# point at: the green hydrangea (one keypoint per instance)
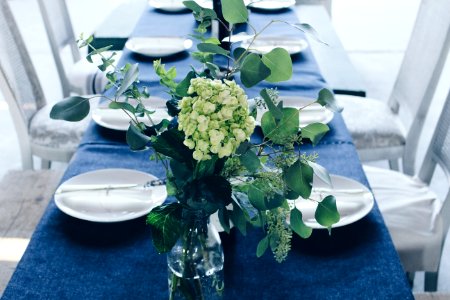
(215, 118)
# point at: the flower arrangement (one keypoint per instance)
(211, 164)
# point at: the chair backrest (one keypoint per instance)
(420, 71)
(438, 153)
(61, 36)
(18, 79)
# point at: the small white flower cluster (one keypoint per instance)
(215, 118)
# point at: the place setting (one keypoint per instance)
(117, 119)
(176, 6)
(110, 195)
(158, 46)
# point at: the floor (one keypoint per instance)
(374, 32)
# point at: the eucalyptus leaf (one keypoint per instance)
(326, 212)
(262, 246)
(299, 178)
(166, 226)
(261, 201)
(234, 11)
(122, 105)
(237, 216)
(238, 52)
(192, 5)
(253, 70)
(286, 128)
(256, 197)
(326, 98)
(315, 132)
(212, 48)
(136, 139)
(250, 161)
(321, 172)
(129, 78)
(71, 109)
(297, 224)
(280, 64)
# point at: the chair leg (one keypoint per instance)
(431, 281)
(410, 276)
(393, 164)
(45, 164)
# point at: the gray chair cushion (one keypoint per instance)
(371, 123)
(412, 214)
(56, 134)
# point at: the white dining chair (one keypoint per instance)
(76, 73)
(417, 219)
(37, 134)
(390, 131)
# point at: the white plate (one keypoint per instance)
(175, 6)
(314, 113)
(263, 45)
(158, 46)
(353, 201)
(117, 119)
(114, 205)
(271, 4)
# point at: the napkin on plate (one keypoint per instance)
(107, 201)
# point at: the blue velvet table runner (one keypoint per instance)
(69, 258)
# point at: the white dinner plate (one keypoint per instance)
(175, 6)
(353, 201)
(265, 44)
(161, 46)
(314, 113)
(271, 4)
(117, 119)
(113, 205)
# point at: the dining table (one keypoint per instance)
(70, 258)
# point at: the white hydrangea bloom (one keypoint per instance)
(214, 118)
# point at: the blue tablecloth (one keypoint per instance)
(69, 258)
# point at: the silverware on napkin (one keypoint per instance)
(108, 187)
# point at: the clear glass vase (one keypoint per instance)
(195, 263)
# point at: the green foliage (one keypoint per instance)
(297, 224)
(170, 143)
(166, 226)
(281, 131)
(280, 64)
(71, 109)
(212, 48)
(299, 178)
(136, 139)
(326, 212)
(326, 98)
(315, 132)
(255, 178)
(234, 11)
(253, 70)
(262, 246)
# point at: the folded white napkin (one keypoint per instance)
(114, 201)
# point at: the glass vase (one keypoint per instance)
(195, 263)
